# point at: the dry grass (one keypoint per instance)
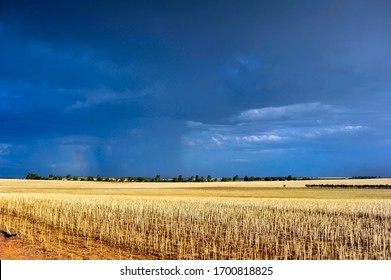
(177, 226)
(292, 189)
(198, 221)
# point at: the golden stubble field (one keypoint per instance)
(232, 220)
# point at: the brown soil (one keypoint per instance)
(16, 248)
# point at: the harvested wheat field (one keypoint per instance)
(233, 220)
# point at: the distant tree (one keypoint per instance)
(68, 177)
(289, 178)
(235, 178)
(202, 179)
(246, 178)
(192, 179)
(33, 176)
(209, 178)
(75, 178)
(197, 178)
(90, 178)
(50, 176)
(157, 178)
(180, 178)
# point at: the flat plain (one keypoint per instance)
(216, 220)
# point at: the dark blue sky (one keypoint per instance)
(139, 88)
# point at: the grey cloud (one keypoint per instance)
(104, 96)
(285, 112)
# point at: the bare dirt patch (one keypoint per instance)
(16, 248)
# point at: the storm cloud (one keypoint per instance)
(139, 88)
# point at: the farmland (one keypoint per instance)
(221, 220)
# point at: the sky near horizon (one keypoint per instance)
(139, 88)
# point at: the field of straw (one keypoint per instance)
(270, 223)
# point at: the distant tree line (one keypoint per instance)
(342, 186)
(197, 178)
(364, 177)
(158, 178)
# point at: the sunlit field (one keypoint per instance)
(233, 220)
